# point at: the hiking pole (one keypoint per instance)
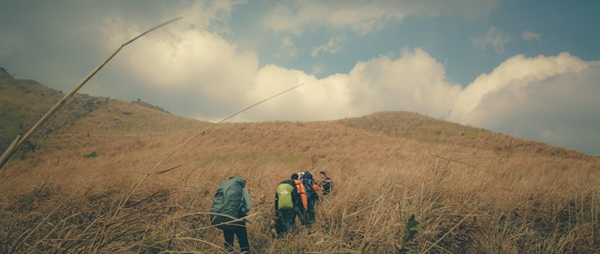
(20, 140)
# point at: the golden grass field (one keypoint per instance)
(93, 186)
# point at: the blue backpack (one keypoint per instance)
(307, 180)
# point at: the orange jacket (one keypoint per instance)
(302, 192)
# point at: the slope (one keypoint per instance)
(23, 102)
(427, 129)
(130, 196)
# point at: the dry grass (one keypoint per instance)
(467, 199)
(428, 129)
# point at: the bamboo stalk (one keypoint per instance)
(19, 141)
(9, 151)
(6, 155)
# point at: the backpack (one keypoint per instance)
(302, 191)
(306, 188)
(307, 180)
(227, 203)
(284, 195)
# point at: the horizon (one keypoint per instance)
(528, 70)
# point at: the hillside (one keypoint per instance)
(427, 129)
(121, 178)
(23, 102)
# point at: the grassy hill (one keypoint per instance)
(129, 177)
(427, 129)
(23, 102)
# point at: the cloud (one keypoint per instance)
(318, 69)
(493, 38)
(287, 48)
(188, 68)
(333, 46)
(204, 14)
(317, 99)
(530, 36)
(414, 82)
(550, 99)
(192, 63)
(361, 17)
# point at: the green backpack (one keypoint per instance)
(227, 203)
(284, 194)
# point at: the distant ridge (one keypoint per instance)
(422, 128)
(4, 73)
(24, 101)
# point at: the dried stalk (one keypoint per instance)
(6, 155)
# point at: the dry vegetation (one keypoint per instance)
(72, 193)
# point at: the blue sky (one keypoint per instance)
(570, 26)
(524, 68)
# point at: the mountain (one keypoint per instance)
(113, 176)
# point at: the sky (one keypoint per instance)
(529, 69)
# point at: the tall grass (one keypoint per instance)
(466, 200)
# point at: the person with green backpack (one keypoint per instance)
(288, 205)
(230, 207)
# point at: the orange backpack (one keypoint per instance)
(302, 192)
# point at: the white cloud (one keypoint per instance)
(414, 82)
(362, 16)
(550, 99)
(493, 38)
(318, 69)
(530, 36)
(333, 46)
(198, 61)
(515, 73)
(317, 99)
(203, 14)
(287, 48)
(195, 67)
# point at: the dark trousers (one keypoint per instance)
(310, 213)
(242, 236)
(286, 220)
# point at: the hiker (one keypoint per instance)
(288, 205)
(303, 197)
(326, 183)
(307, 178)
(312, 196)
(230, 205)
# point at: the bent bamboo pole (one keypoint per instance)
(19, 141)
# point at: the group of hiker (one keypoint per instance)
(295, 197)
